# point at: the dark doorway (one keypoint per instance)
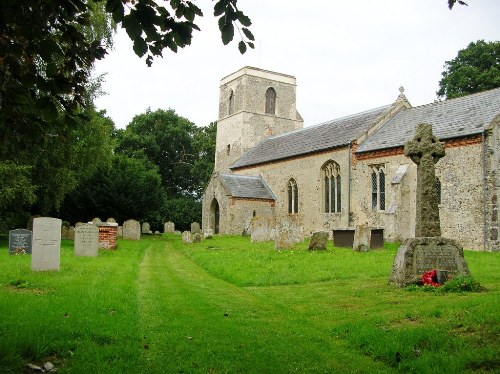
(216, 215)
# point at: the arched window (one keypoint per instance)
(293, 197)
(231, 102)
(332, 187)
(270, 101)
(378, 187)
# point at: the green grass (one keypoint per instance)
(230, 306)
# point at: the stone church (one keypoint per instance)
(351, 172)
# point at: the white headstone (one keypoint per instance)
(87, 240)
(46, 251)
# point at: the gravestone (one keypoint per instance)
(261, 230)
(20, 241)
(197, 238)
(46, 249)
(79, 224)
(146, 229)
(208, 233)
(119, 233)
(96, 220)
(67, 231)
(318, 241)
(186, 237)
(362, 237)
(111, 220)
(87, 240)
(428, 250)
(131, 230)
(169, 227)
(288, 233)
(195, 228)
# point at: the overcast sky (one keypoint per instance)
(347, 56)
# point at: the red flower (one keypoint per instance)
(430, 278)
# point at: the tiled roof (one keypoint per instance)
(452, 118)
(312, 139)
(247, 186)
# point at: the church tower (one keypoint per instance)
(253, 104)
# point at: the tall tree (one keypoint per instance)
(475, 69)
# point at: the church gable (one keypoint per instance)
(454, 118)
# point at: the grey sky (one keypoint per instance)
(347, 56)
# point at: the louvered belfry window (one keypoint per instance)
(270, 101)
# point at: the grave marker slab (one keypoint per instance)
(20, 241)
(131, 230)
(46, 251)
(87, 240)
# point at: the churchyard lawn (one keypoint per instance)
(230, 306)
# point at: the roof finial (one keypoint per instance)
(402, 93)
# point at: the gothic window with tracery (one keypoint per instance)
(293, 197)
(378, 187)
(332, 187)
(270, 101)
(231, 102)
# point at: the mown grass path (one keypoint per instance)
(194, 322)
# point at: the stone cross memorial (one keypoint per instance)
(428, 250)
(87, 240)
(46, 250)
(20, 242)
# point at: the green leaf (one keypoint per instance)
(219, 8)
(244, 20)
(248, 33)
(251, 45)
(118, 14)
(227, 33)
(132, 25)
(242, 47)
(140, 46)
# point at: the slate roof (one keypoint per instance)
(247, 186)
(312, 139)
(454, 118)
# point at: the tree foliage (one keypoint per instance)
(183, 152)
(475, 69)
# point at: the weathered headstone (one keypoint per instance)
(196, 237)
(96, 220)
(79, 224)
(146, 229)
(428, 250)
(288, 233)
(46, 249)
(195, 228)
(131, 230)
(169, 227)
(87, 240)
(186, 237)
(111, 220)
(208, 233)
(362, 237)
(20, 241)
(120, 232)
(67, 231)
(318, 241)
(261, 230)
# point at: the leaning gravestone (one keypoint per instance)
(20, 241)
(46, 250)
(318, 241)
(87, 240)
(428, 250)
(131, 230)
